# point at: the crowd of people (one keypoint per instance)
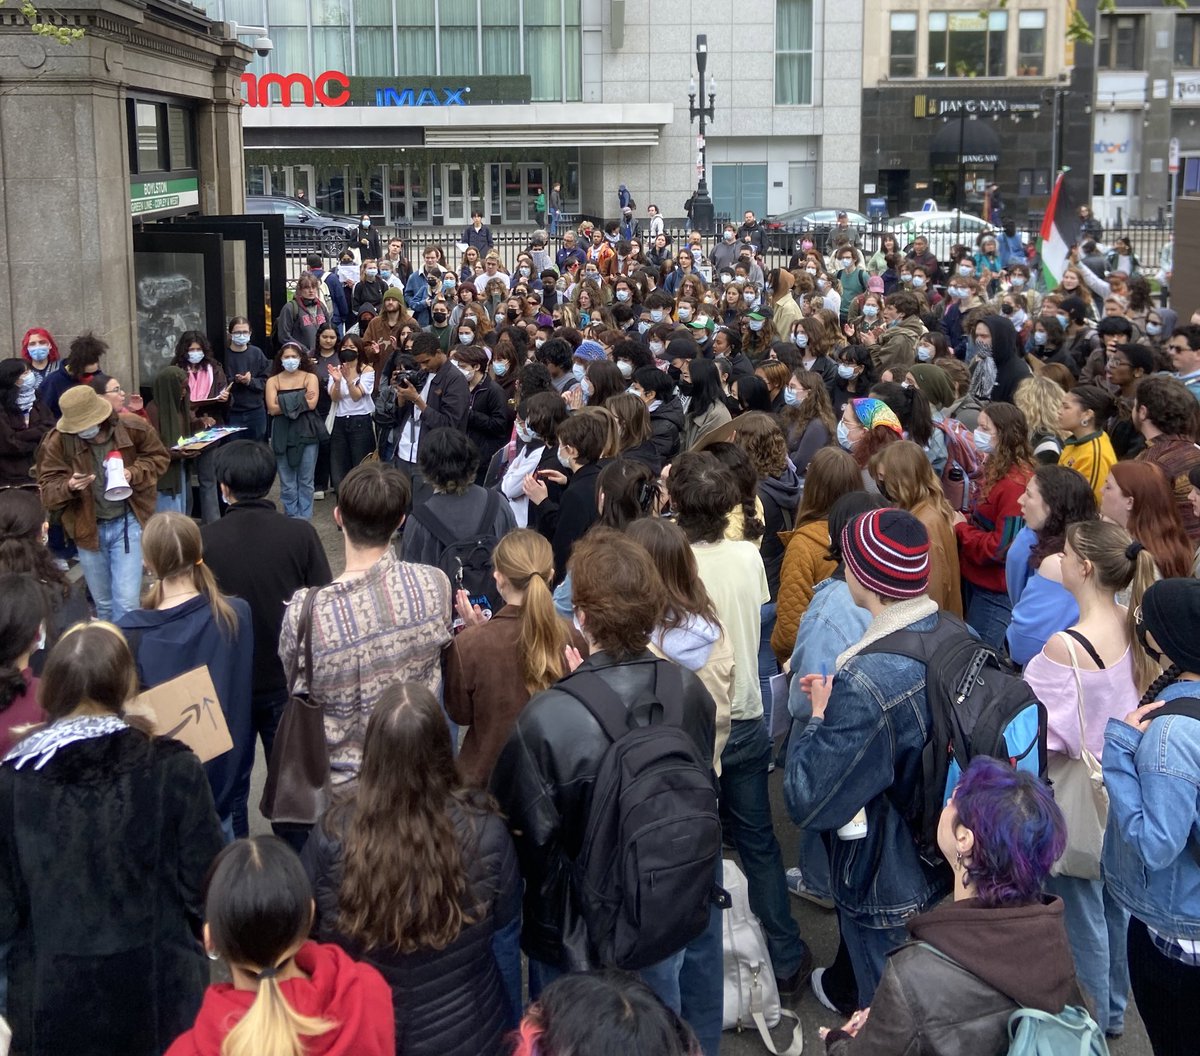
(610, 522)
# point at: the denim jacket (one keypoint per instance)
(1151, 854)
(867, 750)
(830, 625)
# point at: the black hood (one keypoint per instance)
(1004, 339)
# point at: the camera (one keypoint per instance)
(415, 378)
(264, 46)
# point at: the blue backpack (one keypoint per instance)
(1072, 1032)
(978, 707)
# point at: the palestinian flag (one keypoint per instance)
(1055, 239)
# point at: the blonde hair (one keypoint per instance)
(171, 546)
(1106, 545)
(909, 478)
(1040, 399)
(525, 559)
(271, 1027)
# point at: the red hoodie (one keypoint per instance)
(352, 995)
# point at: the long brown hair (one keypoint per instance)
(171, 546)
(525, 558)
(21, 546)
(676, 563)
(1012, 450)
(815, 405)
(909, 478)
(404, 883)
(90, 663)
(1154, 519)
(832, 473)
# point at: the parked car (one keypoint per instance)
(305, 229)
(944, 229)
(784, 229)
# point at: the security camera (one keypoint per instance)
(263, 46)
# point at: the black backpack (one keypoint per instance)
(645, 874)
(467, 561)
(978, 707)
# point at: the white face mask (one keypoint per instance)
(656, 315)
(564, 459)
(464, 370)
(843, 434)
(579, 370)
(525, 433)
(656, 348)
(466, 338)
(983, 441)
(748, 296)
(626, 368)
(846, 371)
(622, 295)
(801, 339)
(756, 325)
(924, 353)
(685, 313)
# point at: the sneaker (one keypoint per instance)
(791, 988)
(318, 495)
(795, 883)
(62, 564)
(819, 991)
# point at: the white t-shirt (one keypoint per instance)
(347, 407)
(733, 574)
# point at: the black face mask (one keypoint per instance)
(685, 388)
(440, 317)
(674, 373)
(1154, 654)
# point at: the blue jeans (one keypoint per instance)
(868, 948)
(178, 502)
(296, 485)
(506, 948)
(1097, 928)
(988, 613)
(265, 713)
(702, 982)
(254, 422)
(814, 863)
(746, 802)
(662, 978)
(767, 664)
(114, 570)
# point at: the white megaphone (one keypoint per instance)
(116, 486)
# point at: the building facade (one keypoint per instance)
(956, 88)
(416, 112)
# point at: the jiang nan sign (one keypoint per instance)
(332, 88)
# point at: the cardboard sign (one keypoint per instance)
(187, 709)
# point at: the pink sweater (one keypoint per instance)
(1106, 694)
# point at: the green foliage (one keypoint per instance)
(1078, 28)
(59, 34)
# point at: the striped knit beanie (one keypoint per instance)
(888, 552)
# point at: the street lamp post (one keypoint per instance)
(703, 218)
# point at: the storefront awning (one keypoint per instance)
(977, 140)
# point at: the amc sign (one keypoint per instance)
(332, 88)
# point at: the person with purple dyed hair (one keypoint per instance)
(998, 946)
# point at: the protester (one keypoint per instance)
(259, 554)
(495, 665)
(351, 384)
(808, 418)
(1151, 862)
(866, 427)
(1138, 497)
(73, 471)
(986, 534)
(296, 428)
(287, 994)
(185, 623)
(106, 835)
(416, 875)
(23, 617)
(1166, 418)
(953, 989)
(1086, 675)
(535, 450)
(402, 610)
(1086, 447)
(906, 480)
(21, 429)
(854, 754)
(84, 358)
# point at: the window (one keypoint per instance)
(151, 143)
(793, 52)
(373, 37)
(459, 38)
(331, 35)
(501, 37)
(967, 44)
(1120, 46)
(543, 48)
(162, 136)
(1031, 43)
(1187, 41)
(903, 62)
(417, 53)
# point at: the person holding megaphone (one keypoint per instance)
(100, 471)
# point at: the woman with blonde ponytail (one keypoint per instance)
(492, 668)
(185, 622)
(289, 996)
(1098, 656)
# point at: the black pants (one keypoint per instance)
(1167, 993)
(352, 439)
(321, 471)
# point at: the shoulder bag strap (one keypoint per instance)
(1066, 637)
(303, 643)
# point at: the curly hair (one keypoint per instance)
(1012, 449)
(1040, 399)
(737, 461)
(618, 589)
(760, 436)
(1069, 499)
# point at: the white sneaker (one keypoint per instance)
(819, 991)
(796, 885)
(318, 495)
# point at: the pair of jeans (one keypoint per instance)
(506, 948)
(662, 978)
(702, 980)
(296, 485)
(1097, 928)
(767, 664)
(321, 469)
(1167, 993)
(814, 863)
(254, 422)
(205, 472)
(178, 502)
(988, 613)
(265, 712)
(746, 803)
(868, 948)
(353, 438)
(114, 570)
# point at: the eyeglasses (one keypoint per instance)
(114, 392)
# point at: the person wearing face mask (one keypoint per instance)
(439, 324)
(896, 344)
(41, 355)
(366, 239)
(370, 288)
(657, 392)
(292, 391)
(1012, 306)
(84, 357)
(73, 477)
(247, 368)
(538, 416)
(998, 367)
(20, 431)
(350, 385)
(852, 279)
(488, 426)
(920, 254)
(724, 254)
(208, 398)
(424, 285)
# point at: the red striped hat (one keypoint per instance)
(888, 552)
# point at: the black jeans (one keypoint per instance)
(352, 439)
(265, 713)
(1167, 993)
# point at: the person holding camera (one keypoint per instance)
(421, 393)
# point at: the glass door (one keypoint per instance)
(455, 196)
(303, 183)
(514, 194)
(535, 176)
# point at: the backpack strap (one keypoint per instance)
(1189, 707)
(423, 515)
(612, 713)
(490, 509)
(1087, 646)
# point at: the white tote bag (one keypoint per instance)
(751, 996)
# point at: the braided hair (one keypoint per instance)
(1169, 675)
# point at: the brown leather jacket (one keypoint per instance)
(60, 455)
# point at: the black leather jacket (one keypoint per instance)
(543, 780)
